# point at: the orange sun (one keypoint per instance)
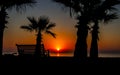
(58, 49)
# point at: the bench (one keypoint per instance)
(29, 49)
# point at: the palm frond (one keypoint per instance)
(23, 4)
(110, 17)
(50, 26)
(67, 3)
(33, 21)
(17, 4)
(26, 28)
(43, 21)
(51, 33)
(109, 4)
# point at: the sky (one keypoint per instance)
(65, 29)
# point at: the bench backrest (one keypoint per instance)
(24, 49)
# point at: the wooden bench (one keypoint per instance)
(28, 49)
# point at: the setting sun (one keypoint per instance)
(58, 49)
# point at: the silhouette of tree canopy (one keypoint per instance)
(9, 4)
(89, 11)
(81, 9)
(104, 11)
(41, 25)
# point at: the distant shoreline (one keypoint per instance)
(101, 55)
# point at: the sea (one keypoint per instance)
(108, 55)
(71, 54)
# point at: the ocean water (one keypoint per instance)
(109, 55)
(61, 54)
(71, 55)
(113, 55)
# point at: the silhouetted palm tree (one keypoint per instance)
(81, 8)
(3, 21)
(39, 26)
(8, 4)
(103, 11)
(89, 11)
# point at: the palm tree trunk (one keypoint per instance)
(38, 45)
(94, 43)
(81, 43)
(2, 27)
(1, 41)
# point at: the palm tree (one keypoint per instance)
(8, 4)
(41, 25)
(3, 21)
(90, 11)
(81, 9)
(81, 44)
(102, 12)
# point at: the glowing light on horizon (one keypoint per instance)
(58, 54)
(58, 49)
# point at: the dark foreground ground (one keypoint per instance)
(28, 60)
(27, 65)
(57, 65)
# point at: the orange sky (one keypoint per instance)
(65, 30)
